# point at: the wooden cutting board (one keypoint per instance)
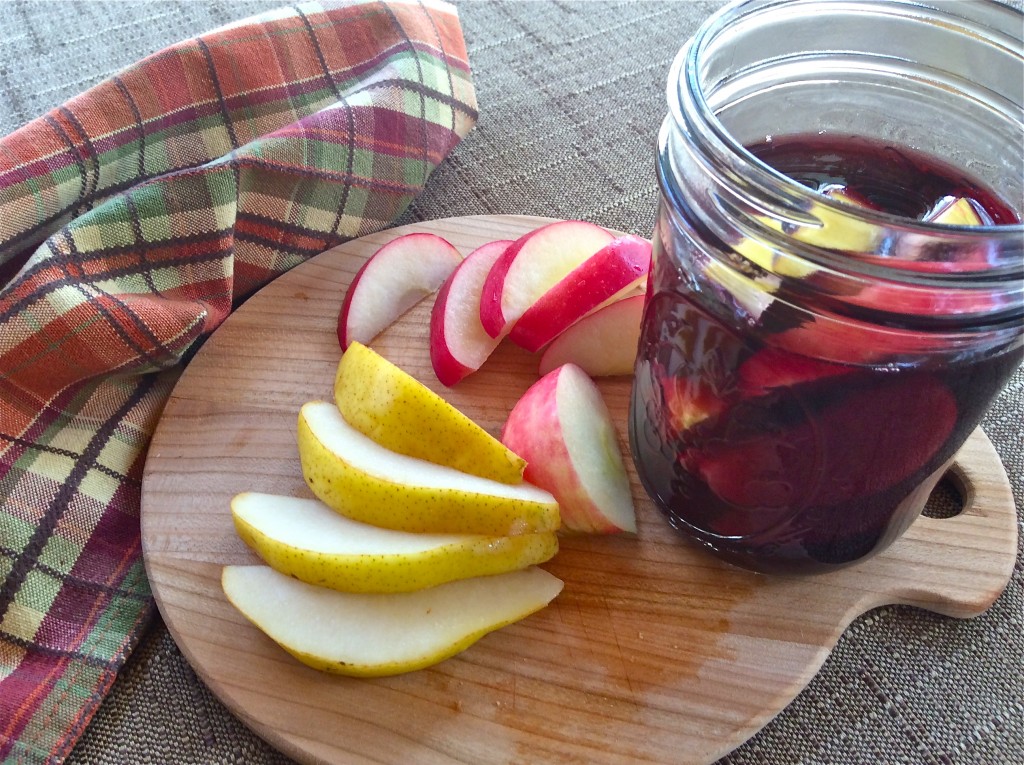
(654, 652)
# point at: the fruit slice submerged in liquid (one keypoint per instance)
(855, 444)
(689, 401)
(772, 368)
(958, 211)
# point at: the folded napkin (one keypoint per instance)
(133, 219)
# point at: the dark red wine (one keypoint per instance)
(789, 444)
(887, 178)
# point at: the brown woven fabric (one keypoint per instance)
(570, 97)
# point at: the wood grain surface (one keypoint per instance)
(654, 652)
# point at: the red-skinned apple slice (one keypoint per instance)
(689, 401)
(602, 344)
(394, 279)
(835, 453)
(562, 428)
(608, 275)
(531, 266)
(834, 339)
(772, 368)
(458, 343)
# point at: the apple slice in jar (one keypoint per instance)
(459, 345)
(835, 452)
(394, 279)
(689, 400)
(608, 275)
(531, 266)
(602, 344)
(772, 368)
(562, 428)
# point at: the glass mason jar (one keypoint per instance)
(809, 361)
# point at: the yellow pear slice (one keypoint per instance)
(400, 413)
(362, 480)
(306, 539)
(371, 635)
(956, 211)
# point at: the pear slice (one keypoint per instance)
(400, 413)
(955, 211)
(306, 539)
(360, 479)
(372, 635)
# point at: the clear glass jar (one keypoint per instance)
(811, 361)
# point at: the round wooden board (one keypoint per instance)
(654, 651)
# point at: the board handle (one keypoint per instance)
(955, 566)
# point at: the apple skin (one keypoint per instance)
(602, 343)
(458, 343)
(606, 276)
(391, 281)
(562, 428)
(532, 265)
(772, 368)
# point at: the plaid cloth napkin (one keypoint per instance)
(133, 219)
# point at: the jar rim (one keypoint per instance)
(737, 158)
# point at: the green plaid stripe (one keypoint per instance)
(132, 221)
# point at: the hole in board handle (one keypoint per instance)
(947, 499)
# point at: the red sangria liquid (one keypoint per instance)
(790, 449)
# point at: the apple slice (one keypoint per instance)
(360, 479)
(563, 428)
(374, 635)
(306, 539)
(531, 266)
(834, 453)
(400, 413)
(602, 344)
(394, 279)
(606, 276)
(771, 368)
(458, 343)
(689, 401)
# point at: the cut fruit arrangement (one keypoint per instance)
(570, 289)
(550, 290)
(423, 535)
(367, 578)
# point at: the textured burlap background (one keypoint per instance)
(571, 95)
